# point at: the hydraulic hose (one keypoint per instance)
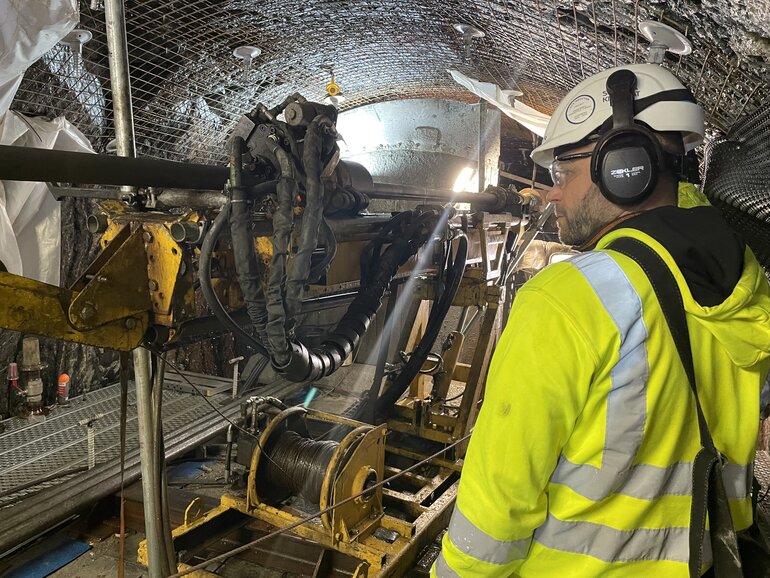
(305, 365)
(438, 313)
(272, 314)
(329, 241)
(311, 217)
(204, 274)
(282, 224)
(248, 270)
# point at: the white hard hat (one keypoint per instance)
(666, 105)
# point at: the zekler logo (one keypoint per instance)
(627, 173)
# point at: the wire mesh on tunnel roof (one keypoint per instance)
(188, 91)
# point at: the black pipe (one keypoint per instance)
(480, 201)
(40, 165)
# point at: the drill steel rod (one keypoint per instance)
(408, 192)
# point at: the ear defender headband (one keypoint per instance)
(627, 160)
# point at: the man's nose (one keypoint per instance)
(554, 195)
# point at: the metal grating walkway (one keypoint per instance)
(35, 450)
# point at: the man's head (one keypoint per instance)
(612, 143)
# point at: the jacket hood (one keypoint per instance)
(741, 323)
(723, 286)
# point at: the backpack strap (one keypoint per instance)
(708, 488)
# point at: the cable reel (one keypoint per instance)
(288, 462)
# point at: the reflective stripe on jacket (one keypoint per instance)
(581, 460)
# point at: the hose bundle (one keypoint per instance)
(273, 312)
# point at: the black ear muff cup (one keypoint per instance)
(627, 160)
(626, 164)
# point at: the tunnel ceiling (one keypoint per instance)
(188, 89)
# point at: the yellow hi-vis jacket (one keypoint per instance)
(580, 464)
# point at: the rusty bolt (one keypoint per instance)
(88, 311)
(147, 237)
(130, 323)
(152, 284)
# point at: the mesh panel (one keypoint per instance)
(32, 451)
(188, 89)
(737, 168)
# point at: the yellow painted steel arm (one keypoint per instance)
(34, 307)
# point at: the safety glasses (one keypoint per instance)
(560, 167)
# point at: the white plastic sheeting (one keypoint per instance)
(30, 219)
(505, 100)
(29, 29)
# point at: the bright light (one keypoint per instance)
(466, 181)
(361, 132)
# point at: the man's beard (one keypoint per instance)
(588, 218)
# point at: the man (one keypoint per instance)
(580, 464)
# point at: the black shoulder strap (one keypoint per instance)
(708, 492)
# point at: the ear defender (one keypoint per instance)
(628, 159)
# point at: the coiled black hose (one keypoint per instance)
(308, 365)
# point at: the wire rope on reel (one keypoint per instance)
(298, 465)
